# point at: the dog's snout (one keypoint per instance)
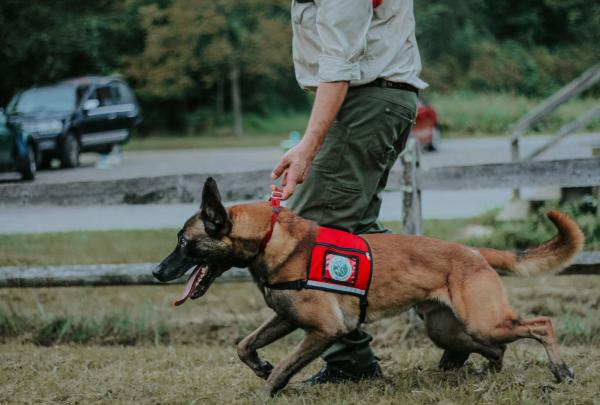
(158, 274)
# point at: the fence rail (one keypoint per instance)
(411, 180)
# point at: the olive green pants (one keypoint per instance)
(344, 185)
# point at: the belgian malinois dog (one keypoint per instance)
(455, 288)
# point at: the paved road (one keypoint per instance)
(436, 204)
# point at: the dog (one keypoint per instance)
(453, 287)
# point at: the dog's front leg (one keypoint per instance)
(313, 344)
(273, 329)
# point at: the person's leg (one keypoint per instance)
(343, 190)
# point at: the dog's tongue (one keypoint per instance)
(189, 286)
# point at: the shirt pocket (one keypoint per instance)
(303, 13)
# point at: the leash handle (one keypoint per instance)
(276, 196)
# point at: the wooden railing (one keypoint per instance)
(411, 181)
(582, 83)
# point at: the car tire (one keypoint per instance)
(29, 168)
(69, 152)
(44, 162)
(436, 140)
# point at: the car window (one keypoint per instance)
(106, 96)
(125, 94)
(43, 99)
(3, 127)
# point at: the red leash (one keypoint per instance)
(275, 201)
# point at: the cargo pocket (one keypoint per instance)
(381, 155)
(400, 121)
(343, 206)
(334, 145)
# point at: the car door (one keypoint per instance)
(128, 110)
(101, 124)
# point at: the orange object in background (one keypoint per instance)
(426, 130)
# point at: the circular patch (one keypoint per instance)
(340, 268)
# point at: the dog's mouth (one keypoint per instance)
(197, 284)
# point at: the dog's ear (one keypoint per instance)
(213, 213)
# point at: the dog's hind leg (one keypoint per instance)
(313, 344)
(448, 333)
(273, 329)
(540, 329)
(481, 304)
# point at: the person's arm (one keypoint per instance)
(296, 162)
(342, 26)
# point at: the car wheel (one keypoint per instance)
(436, 140)
(69, 154)
(44, 162)
(29, 168)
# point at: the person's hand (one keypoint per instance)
(294, 165)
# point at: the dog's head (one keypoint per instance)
(202, 244)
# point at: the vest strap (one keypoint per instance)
(287, 285)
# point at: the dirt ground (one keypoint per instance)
(194, 361)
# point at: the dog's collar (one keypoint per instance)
(275, 201)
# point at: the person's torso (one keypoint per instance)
(390, 49)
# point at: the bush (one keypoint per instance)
(537, 228)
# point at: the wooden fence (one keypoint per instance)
(411, 181)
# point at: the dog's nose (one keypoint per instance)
(157, 275)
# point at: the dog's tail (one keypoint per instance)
(550, 257)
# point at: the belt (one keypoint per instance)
(390, 85)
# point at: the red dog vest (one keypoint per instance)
(340, 262)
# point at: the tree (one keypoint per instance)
(191, 45)
(47, 41)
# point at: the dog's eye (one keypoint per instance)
(183, 242)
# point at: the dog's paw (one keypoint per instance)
(264, 369)
(563, 374)
(452, 360)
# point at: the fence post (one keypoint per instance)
(411, 195)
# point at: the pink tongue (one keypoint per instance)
(189, 287)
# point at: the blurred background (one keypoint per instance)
(486, 61)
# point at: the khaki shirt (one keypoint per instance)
(348, 40)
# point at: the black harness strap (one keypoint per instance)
(288, 285)
(363, 309)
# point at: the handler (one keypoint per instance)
(361, 57)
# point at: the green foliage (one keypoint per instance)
(47, 41)
(179, 54)
(113, 329)
(527, 47)
(537, 228)
(464, 112)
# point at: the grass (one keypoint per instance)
(138, 246)
(211, 141)
(461, 114)
(259, 132)
(475, 114)
(194, 359)
(86, 247)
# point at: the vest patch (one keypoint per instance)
(340, 262)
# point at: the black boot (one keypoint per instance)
(333, 375)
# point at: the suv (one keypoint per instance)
(88, 114)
